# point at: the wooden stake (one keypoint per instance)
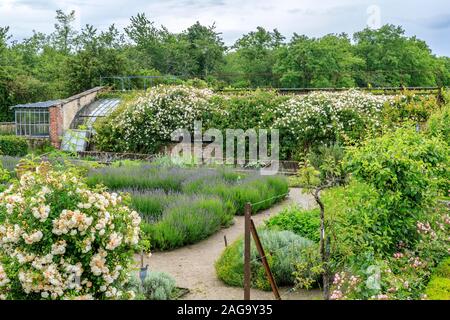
(247, 244)
(266, 266)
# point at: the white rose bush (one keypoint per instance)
(325, 117)
(146, 123)
(61, 240)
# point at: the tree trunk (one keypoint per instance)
(323, 254)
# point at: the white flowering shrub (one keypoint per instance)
(60, 240)
(328, 117)
(147, 122)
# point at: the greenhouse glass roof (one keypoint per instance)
(37, 105)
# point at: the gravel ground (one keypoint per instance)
(193, 266)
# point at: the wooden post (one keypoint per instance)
(266, 266)
(247, 244)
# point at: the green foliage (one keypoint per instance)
(360, 251)
(305, 223)
(253, 189)
(246, 110)
(156, 286)
(438, 289)
(392, 59)
(325, 62)
(252, 62)
(284, 250)
(143, 125)
(405, 169)
(13, 146)
(151, 205)
(188, 221)
(439, 124)
(180, 205)
(409, 106)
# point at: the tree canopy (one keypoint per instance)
(67, 61)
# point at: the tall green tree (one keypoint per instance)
(254, 56)
(64, 33)
(324, 62)
(206, 47)
(99, 54)
(392, 59)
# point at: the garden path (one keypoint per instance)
(193, 266)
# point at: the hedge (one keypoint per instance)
(13, 146)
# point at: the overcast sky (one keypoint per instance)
(429, 20)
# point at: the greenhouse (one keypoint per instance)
(33, 119)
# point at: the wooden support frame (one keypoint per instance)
(264, 261)
(247, 244)
(250, 230)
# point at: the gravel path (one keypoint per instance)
(193, 266)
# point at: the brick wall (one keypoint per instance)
(62, 115)
(56, 129)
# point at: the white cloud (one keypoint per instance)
(235, 17)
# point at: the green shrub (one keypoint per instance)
(405, 169)
(443, 269)
(253, 189)
(250, 109)
(188, 221)
(9, 163)
(409, 106)
(438, 289)
(283, 249)
(181, 206)
(13, 146)
(144, 177)
(156, 286)
(151, 204)
(439, 286)
(305, 223)
(439, 124)
(360, 243)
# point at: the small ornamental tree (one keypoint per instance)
(61, 240)
(322, 171)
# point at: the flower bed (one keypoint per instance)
(181, 206)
